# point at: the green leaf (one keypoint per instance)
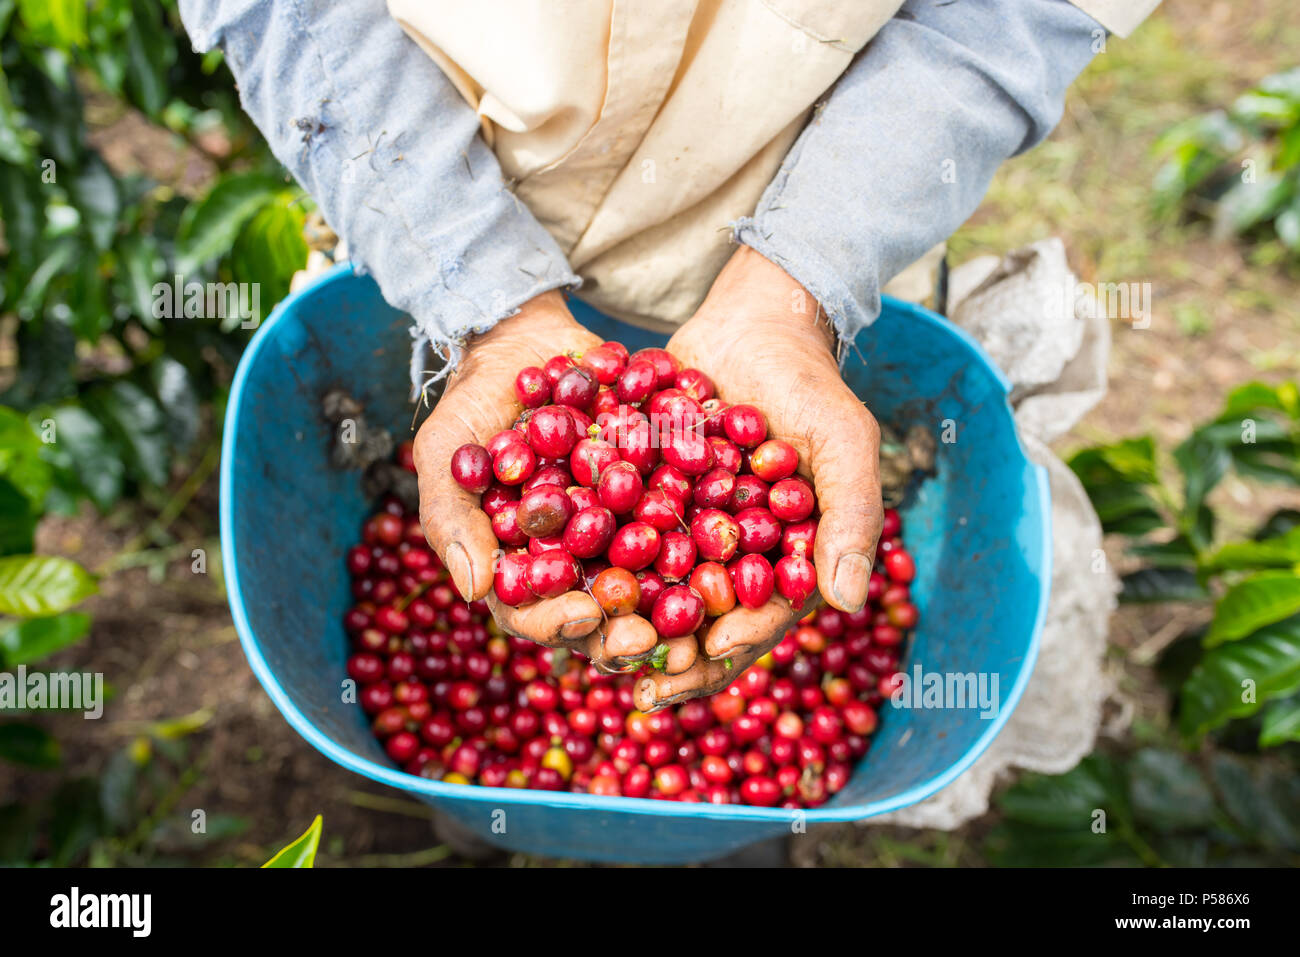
(1233, 680)
(1247, 204)
(1277, 524)
(140, 263)
(1175, 553)
(23, 206)
(34, 586)
(1287, 225)
(210, 226)
(1250, 398)
(1067, 801)
(60, 23)
(302, 852)
(270, 248)
(20, 457)
(76, 822)
(1268, 464)
(1264, 804)
(92, 453)
(150, 52)
(178, 399)
(1280, 552)
(1167, 791)
(1249, 605)
(1161, 584)
(1133, 460)
(17, 520)
(28, 641)
(1281, 723)
(1125, 505)
(136, 419)
(28, 744)
(94, 191)
(1203, 463)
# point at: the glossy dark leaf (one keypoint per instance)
(27, 744)
(135, 418)
(1161, 584)
(178, 399)
(94, 192)
(1262, 799)
(1249, 605)
(1234, 679)
(17, 520)
(210, 226)
(1281, 722)
(93, 453)
(150, 51)
(1167, 791)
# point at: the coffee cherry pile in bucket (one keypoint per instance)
(452, 698)
(627, 476)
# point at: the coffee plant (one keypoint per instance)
(1233, 795)
(1239, 167)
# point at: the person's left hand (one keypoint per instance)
(760, 336)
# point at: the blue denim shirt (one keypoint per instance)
(893, 161)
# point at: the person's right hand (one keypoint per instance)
(478, 402)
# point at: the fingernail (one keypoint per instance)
(733, 652)
(578, 627)
(462, 573)
(852, 572)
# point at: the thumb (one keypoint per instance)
(456, 527)
(845, 462)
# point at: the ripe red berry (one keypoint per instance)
(552, 432)
(532, 387)
(716, 534)
(676, 556)
(677, 612)
(759, 530)
(620, 487)
(751, 492)
(753, 579)
(658, 508)
(634, 546)
(791, 500)
(589, 532)
(666, 365)
(636, 382)
(514, 464)
(590, 457)
(688, 451)
(774, 460)
(471, 467)
(760, 791)
(899, 566)
(796, 579)
(695, 384)
(552, 573)
(652, 585)
(713, 583)
(744, 425)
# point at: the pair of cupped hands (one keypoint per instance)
(759, 336)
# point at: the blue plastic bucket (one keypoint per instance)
(980, 531)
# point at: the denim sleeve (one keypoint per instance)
(904, 148)
(390, 151)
